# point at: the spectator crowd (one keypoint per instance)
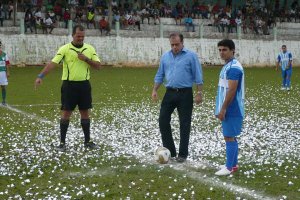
(253, 16)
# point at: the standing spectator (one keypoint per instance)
(10, 9)
(104, 25)
(284, 61)
(230, 104)
(77, 57)
(188, 21)
(67, 17)
(2, 15)
(28, 20)
(4, 73)
(178, 69)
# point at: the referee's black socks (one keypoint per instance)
(85, 124)
(64, 124)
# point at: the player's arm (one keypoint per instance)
(7, 70)
(278, 62)
(232, 87)
(44, 72)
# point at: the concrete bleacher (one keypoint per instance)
(285, 30)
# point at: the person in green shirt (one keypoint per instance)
(77, 58)
(4, 73)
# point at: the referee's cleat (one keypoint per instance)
(3, 103)
(282, 88)
(91, 145)
(61, 147)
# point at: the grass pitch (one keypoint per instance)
(124, 123)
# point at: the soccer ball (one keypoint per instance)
(162, 155)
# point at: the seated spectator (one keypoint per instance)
(232, 25)
(127, 6)
(114, 5)
(188, 21)
(145, 15)
(136, 6)
(217, 23)
(215, 10)
(104, 25)
(67, 17)
(58, 11)
(203, 11)
(195, 10)
(155, 15)
(90, 18)
(176, 16)
(224, 22)
(48, 24)
(78, 15)
(137, 20)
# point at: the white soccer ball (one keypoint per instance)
(162, 155)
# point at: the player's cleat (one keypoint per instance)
(61, 147)
(223, 172)
(180, 159)
(234, 169)
(91, 145)
(282, 88)
(288, 88)
(3, 103)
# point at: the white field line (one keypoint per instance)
(58, 104)
(184, 168)
(31, 116)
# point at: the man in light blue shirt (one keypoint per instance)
(284, 60)
(179, 69)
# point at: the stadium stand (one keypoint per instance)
(210, 21)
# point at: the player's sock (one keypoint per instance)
(288, 82)
(3, 94)
(64, 124)
(230, 153)
(283, 82)
(85, 124)
(235, 160)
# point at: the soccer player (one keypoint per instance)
(284, 60)
(179, 68)
(230, 104)
(77, 58)
(4, 73)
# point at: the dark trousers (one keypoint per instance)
(181, 99)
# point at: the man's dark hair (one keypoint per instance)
(283, 46)
(227, 43)
(176, 35)
(80, 27)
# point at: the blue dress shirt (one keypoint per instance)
(179, 71)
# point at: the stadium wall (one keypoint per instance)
(118, 51)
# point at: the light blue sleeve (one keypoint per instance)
(160, 74)
(197, 70)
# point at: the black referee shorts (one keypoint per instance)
(75, 93)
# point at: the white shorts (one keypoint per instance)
(3, 78)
